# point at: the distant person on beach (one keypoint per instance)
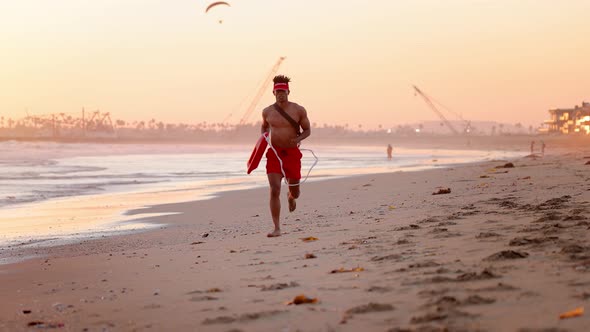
(543, 148)
(285, 138)
(532, 147)
(389, 151)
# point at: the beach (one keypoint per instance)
(443, 148)
(505, 250)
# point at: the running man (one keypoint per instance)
(285, 139)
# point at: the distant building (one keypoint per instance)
(569, 120)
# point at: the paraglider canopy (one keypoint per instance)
(215, 4)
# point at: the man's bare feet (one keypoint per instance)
(292, 204)
(275, 233)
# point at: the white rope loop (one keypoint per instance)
(268, 138)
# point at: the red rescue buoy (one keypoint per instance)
(257, 153)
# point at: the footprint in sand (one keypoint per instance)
(429, 220)
(421, 328)
(542, 329)
(576, 214)
(549, 216)
(446, 223)
(365, 309)
(487, 235)
(370, 307)
(393, 257)
(506, 254)
(438, 230)
(406, 228)
(554, 203)
(378, 289)
(553, 228)
(441, 233)
(423, 265)
(499, 287)
(465, 277)
(576, 252)
(508, 204)
(584, 296)
(441, 314)
(203, 298)
(469, 207)
(452, 302)
(242, 318)
(279, 286)
(152, 306)
(472, 276)
(523, 241)
(433, 292)
(459, 215)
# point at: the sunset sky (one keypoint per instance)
(351, 61)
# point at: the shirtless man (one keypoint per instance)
(286, 142)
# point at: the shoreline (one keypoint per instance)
(504, 141)
(500, 252)
(86, 216)
(154, 215)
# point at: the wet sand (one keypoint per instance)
(506, 250)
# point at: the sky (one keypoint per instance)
(351, 62)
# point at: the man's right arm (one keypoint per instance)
(265, 125)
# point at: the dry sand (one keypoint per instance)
(507, 250)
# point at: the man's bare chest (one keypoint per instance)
(275, 119)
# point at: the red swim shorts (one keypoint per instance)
(291, 158)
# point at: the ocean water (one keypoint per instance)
(34, 174)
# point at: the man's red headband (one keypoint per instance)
(281, 86)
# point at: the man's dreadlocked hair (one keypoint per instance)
(281, 79)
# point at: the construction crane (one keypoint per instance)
(467, 124)
(261, 90)
(429, 101)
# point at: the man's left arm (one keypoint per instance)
(305, 125)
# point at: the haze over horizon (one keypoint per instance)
(350, 61)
